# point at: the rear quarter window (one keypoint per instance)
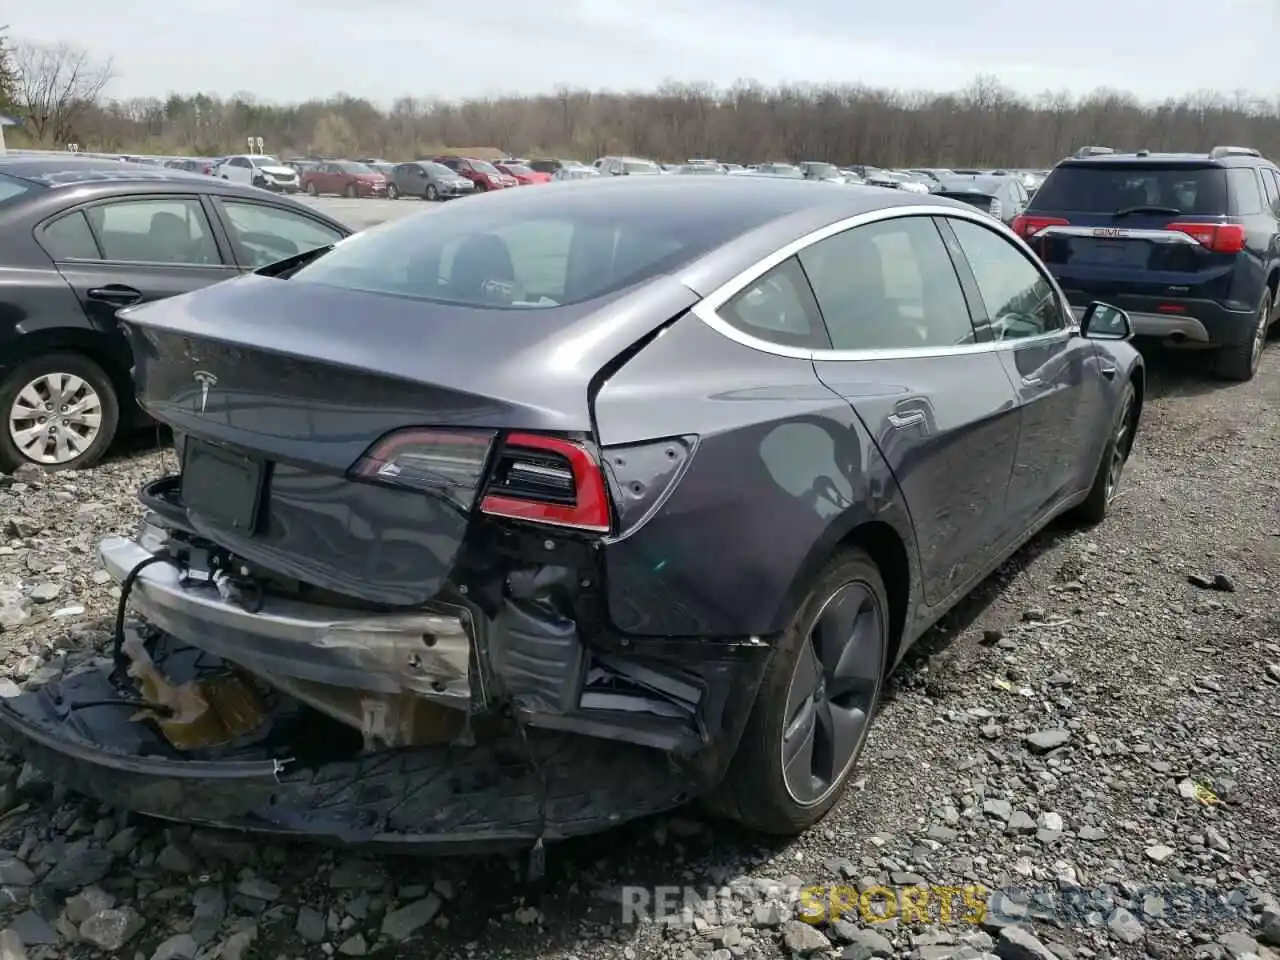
(13, 189)
(1246, 195)
(1110, 188)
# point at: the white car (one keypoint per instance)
(259, 170)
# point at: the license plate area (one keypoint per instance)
(1118, 253)
(223, 486)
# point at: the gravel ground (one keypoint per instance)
(1096, 733)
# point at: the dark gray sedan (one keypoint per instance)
(428, 181)
(560, 507)
(1004, 197)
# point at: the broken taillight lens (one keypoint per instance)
(548, 480)
(448, 462)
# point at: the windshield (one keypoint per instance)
(482, 167)
(11, 188)
(529, 253)
(517, 169)
(266, 160)
(640, 166)
(1113, 187)
(350, 166)
(439, 170)
(970, 186)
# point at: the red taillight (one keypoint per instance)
(1027, 226)
(448, 462)
(1218, 237)
(548, 480)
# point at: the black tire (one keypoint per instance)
(480, 187)
(432, 193)
(392, 192)
(30, 370)
(754, 792)
(1106, 482)
(312, 189)
(351, 191)
(1239, 362)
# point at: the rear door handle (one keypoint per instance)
(904, 420)
(1032, 381)
(116, 294)
(1109, 372)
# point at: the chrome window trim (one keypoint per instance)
(707, 308)
(1173, 237)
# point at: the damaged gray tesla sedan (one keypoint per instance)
(560, 507)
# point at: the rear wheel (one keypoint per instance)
(392, 192)
(432, 193)
(815, 703)
(60, 412)
(1106, 482)
(1240, 362)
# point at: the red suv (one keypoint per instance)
(480, 172)
(345, 178)
(525, 176)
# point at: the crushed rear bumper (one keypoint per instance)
(551, 729)
(443, 799)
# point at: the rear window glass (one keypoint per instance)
(530, 252)
(11, 188)
(1110, 188)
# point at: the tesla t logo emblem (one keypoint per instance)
(206, 380)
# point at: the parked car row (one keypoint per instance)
(438, 576)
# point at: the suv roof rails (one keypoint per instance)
(1092, 152)
(1217, 153)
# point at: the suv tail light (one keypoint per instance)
(548, 480)
(1027, 227)
(1218, 237)
(537, 478)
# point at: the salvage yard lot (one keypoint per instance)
(1171, 692)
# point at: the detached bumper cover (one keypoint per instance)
(444, 798)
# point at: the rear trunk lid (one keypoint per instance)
(1136, 228)
(279, 390)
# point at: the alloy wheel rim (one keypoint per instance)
(831, 694)
(1119, 451)
(55, 418)
(1260, 335)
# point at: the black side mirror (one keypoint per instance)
(1102, 321)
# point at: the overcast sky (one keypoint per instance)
(286, 50)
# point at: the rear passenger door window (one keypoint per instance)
(1271, 187)
(171, 230)
(889, 285)
(779, 308)
(1020, 301)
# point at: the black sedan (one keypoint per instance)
(560, 507)
(84, 237)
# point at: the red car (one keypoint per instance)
(480, 172)
(525, 176)
(345, 178)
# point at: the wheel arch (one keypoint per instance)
(112, 358)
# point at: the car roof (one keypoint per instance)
(773, 198)
(1174, 159)
(64, 171)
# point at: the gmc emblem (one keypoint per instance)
(1109, 232)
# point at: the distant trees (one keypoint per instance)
(58, 91)
(8, 72)
(56, 85)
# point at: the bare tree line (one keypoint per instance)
(57, 91)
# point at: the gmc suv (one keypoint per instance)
(1187, 244)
